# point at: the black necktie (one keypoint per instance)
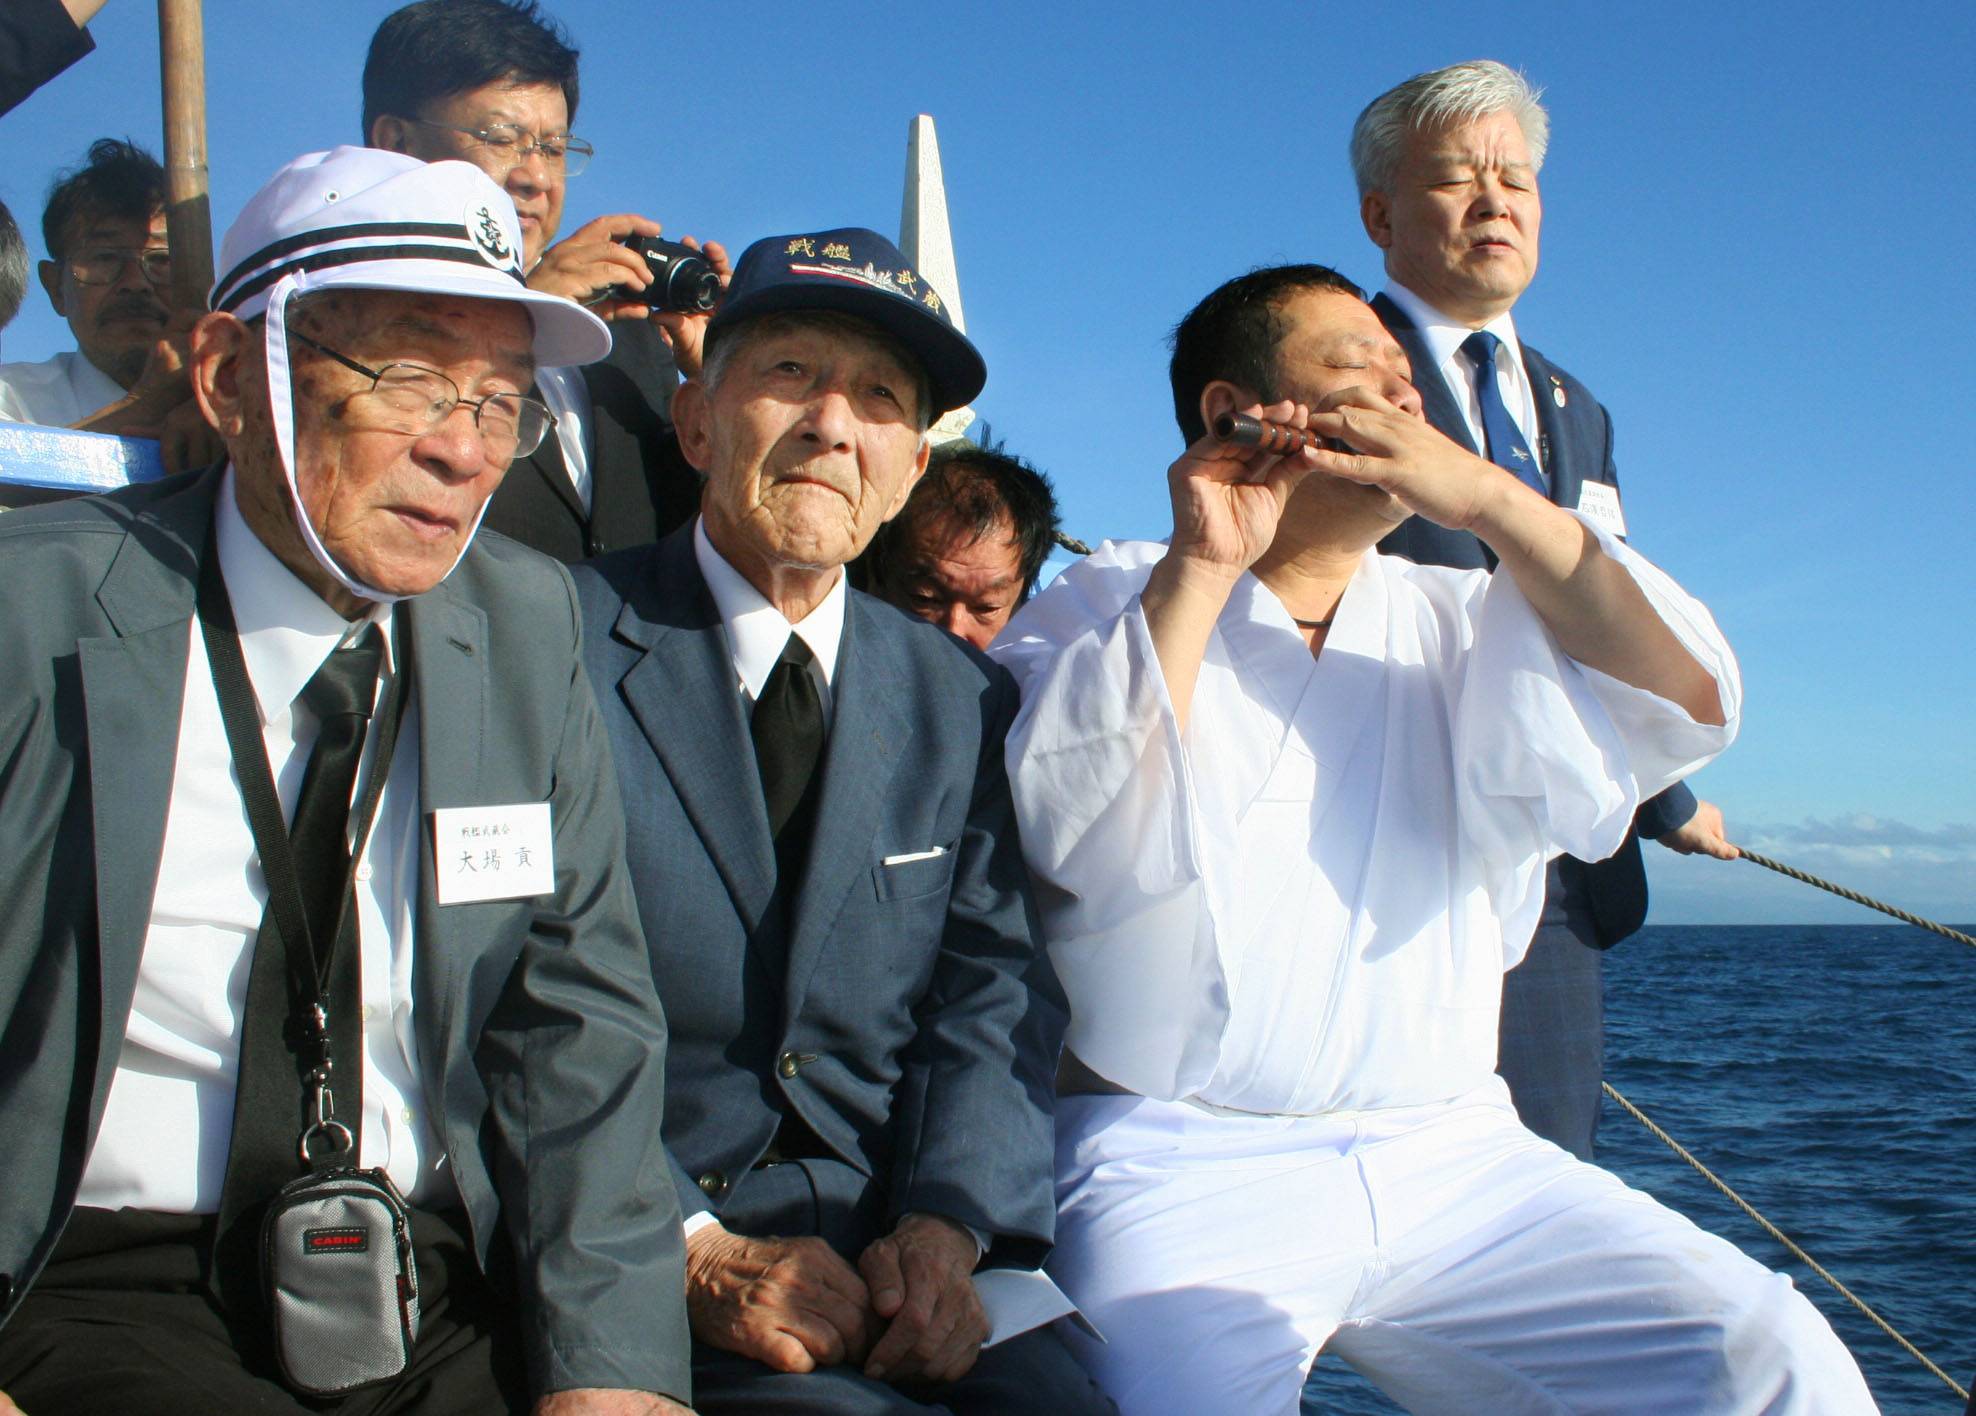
(270, 1103)
(1506, 446)
(788, 731)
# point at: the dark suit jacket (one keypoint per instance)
(640, 485)
(540, 1035)
(1575, 444)
(38, 40)
(905, 1012)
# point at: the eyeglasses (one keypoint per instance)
(560, 152)
(413, 399)
(104, 265)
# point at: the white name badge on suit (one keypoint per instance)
(493, 852)
(1599, 502)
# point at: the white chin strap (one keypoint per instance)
(281, 400)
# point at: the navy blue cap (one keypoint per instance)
(852, 271)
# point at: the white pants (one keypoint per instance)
(1444, 1251)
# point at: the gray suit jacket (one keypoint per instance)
(896, 998)
(540, 1034)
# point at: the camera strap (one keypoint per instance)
(309, 959)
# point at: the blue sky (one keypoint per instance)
(1756, 251)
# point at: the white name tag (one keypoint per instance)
(493, 852)
(1600, 501)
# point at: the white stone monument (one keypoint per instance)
(927, 242)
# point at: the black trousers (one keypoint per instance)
(1030, 1375)
(120, 1321)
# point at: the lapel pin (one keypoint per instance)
(1557, 391)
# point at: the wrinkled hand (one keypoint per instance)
(1701, 834)
(587, 264)
(1227, 499)
(920, 1276)
(598, 1401)
(687, 333)
(793, 1304)
(164, 384)
(1405, 455)
(187, 441)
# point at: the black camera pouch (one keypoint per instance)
(342, 1289)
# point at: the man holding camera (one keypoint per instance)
(494, 83)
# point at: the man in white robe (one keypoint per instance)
(1288, 803)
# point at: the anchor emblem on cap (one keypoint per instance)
(487, 235)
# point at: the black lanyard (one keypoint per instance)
(308, 965)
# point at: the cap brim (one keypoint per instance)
(565, 332)
(953, 365)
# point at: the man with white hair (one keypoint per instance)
(329, 1055)
(1446, 165)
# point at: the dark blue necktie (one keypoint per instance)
(1506, 446)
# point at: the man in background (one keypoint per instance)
(966, 551)
(494, 83)
(13, 267)
(1446, 165)
(109, 275)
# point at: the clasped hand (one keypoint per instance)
(1229, 499)
(907, 1312)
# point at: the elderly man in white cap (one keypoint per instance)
(329, 1055)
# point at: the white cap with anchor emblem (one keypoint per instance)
(358, 218)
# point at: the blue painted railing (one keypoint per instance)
(61, 460)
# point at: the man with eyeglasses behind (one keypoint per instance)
(494, 83)
(109, 275)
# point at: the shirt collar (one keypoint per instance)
(756, 630)
(286, 629)
(1445, 336)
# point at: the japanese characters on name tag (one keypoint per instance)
(493, 852)
(1600, 502)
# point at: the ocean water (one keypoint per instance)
(1828, 1074)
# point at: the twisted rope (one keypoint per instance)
(1843, 893)
(1782, 1238)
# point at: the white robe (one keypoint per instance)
(1305, 903)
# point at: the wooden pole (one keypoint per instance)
(188, 209)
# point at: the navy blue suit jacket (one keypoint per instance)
(905, 1011)
(1574, 445)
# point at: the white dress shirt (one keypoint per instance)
(1305, 902)
(168, 1121)
(568, 397)
(57, 392)
(1445, 337)
(755, 629)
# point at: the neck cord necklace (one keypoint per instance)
(1313, 624)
